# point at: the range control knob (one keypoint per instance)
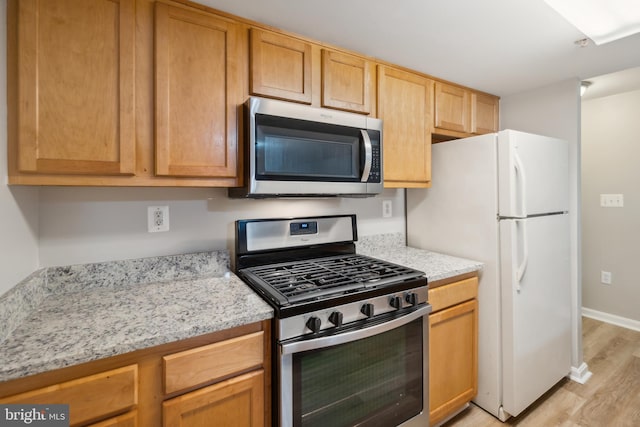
(367, 309)
(411, 298)
(314, 324)
(336, 318)
(395, 302)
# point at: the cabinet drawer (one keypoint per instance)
(204, 364)
(453, 293)
(130, 419)
(89, 398)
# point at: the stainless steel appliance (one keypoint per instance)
(350, 331)
(297, 150)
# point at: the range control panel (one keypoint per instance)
(316, 321)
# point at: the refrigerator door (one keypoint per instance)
(536, 306)
(533, 174)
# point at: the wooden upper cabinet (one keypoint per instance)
(197, 93)
(405, 103)
(280, 66)
(347, 82)
(76, 87)
(484, 113)
(453, 107)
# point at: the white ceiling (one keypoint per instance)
(498, 46)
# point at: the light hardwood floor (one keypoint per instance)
(611, 398)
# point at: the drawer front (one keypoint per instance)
(453, 293)
(207, 363)
(130, 419)
(89, 398)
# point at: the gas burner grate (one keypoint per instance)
(298, 281)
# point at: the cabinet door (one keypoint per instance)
(452, 108)
(453, 359)
(197, 93)
(76, 87)
(237, 402)
(405, 105)
(346, 82)
(484, 113)
(280, 66)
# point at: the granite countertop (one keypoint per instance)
(437, 266)
(73, 324)
(63, 316)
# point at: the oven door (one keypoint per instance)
(375, 375)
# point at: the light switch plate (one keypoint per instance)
(612, 200)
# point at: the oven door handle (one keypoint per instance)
(342, 338)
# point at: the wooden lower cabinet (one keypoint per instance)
(129, 419)
(453, 347)
(237, 402)
(219, 379)
(91, 397)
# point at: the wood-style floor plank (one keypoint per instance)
(610, 398)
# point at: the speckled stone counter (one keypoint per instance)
(95, 311)
(392, 248)
(63, 316)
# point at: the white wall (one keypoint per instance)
(80, 225)
(610, 152)
(554, 110)
(18, 206)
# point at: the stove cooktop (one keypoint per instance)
(299, 281)
(302, 265)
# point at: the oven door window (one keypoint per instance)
(375, 381)
(298, 150)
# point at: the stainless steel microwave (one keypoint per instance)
(294, 150)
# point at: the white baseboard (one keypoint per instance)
(580, 374)
(611, 318)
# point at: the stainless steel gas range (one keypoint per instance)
(350, 331)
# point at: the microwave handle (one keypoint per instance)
(368, 156)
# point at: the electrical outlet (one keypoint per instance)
(612, 200)
(157, 218)
(387, 209)
(605, 277)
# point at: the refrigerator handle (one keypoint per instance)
(517, 163)
(525, 252)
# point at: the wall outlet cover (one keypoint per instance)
(387, 209)
(157, 218)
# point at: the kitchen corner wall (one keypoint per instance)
(610, 153)
(18, 206)
(81, 225)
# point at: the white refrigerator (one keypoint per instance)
(503, 199)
